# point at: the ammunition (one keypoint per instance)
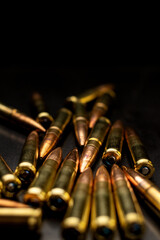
(128, 210)
(148, 190)
(13, 115)
(113, 148)
(80, 122)
(95, 140)
(93, 93)
(25, 217)
(26, 168)
(103, 217)
(76, 219)
(54, 132)
(140, 158)
(59, 196)
(101, 107)
(12, 204)
(43, 181)
(10, 183)
(40, 109)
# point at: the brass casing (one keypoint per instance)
(10, 183)
(26, 168)
(13, 115)
(55, 131)
(139, 154)
(93, 143)
(59, 196)
(147, 189)
(113, 148)
(103, 217)
(128, 210)
(43, 181)
(21, 217)
(76, 219)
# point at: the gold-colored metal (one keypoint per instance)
(19, 118)
(80, 121)
(26, 168)
(54, 132)
(128, 210)
(147, 189)
(93, 93)
(101, 107)
(113, 148)
(21, 217)
(103, 217)
(12, 204)
(42, 183)
(10, 183)
(59, 196)
(40, 109)
(140, 157)
(75, 222)
(93, 143)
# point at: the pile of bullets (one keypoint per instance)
(68, 186)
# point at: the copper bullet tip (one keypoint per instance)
(86, 177)
(117, 172)
(102, 174)
(56, 154)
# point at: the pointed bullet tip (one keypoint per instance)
(86, 176)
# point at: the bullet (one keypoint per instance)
(76, 219)
(10, 183)
(26, 168)
(59, 196)
(113, 148)
(80, 121)
(103, 217)
(54, 132)
(40, 110)
(128, 210)
(21, 217)
(12, 204)
(19, 118)
(140, 157)
(93, 143)
(101, 107)
(147, 189)
(43, 181)
(93, 93)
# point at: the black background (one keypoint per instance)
(137, 105)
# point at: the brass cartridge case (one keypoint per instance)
(25, 217)
(76, 219)
(93, 93)
(80, 121)
(113, 148)
(43, 181)
(93, 143)
(140, 157)
(147, 189)
(103, 217)
(54, 132)
(101, 107)
(19, 118)
(59, 196)
(128, 210)
(40, 109)
(26, 168)
(10, 183)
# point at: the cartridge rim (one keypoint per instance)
(44, 115)
(28, 169)
(111, 156)
(145, 163)
(54, 196)
(35, 197)
(11, 185)
(135, 226)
